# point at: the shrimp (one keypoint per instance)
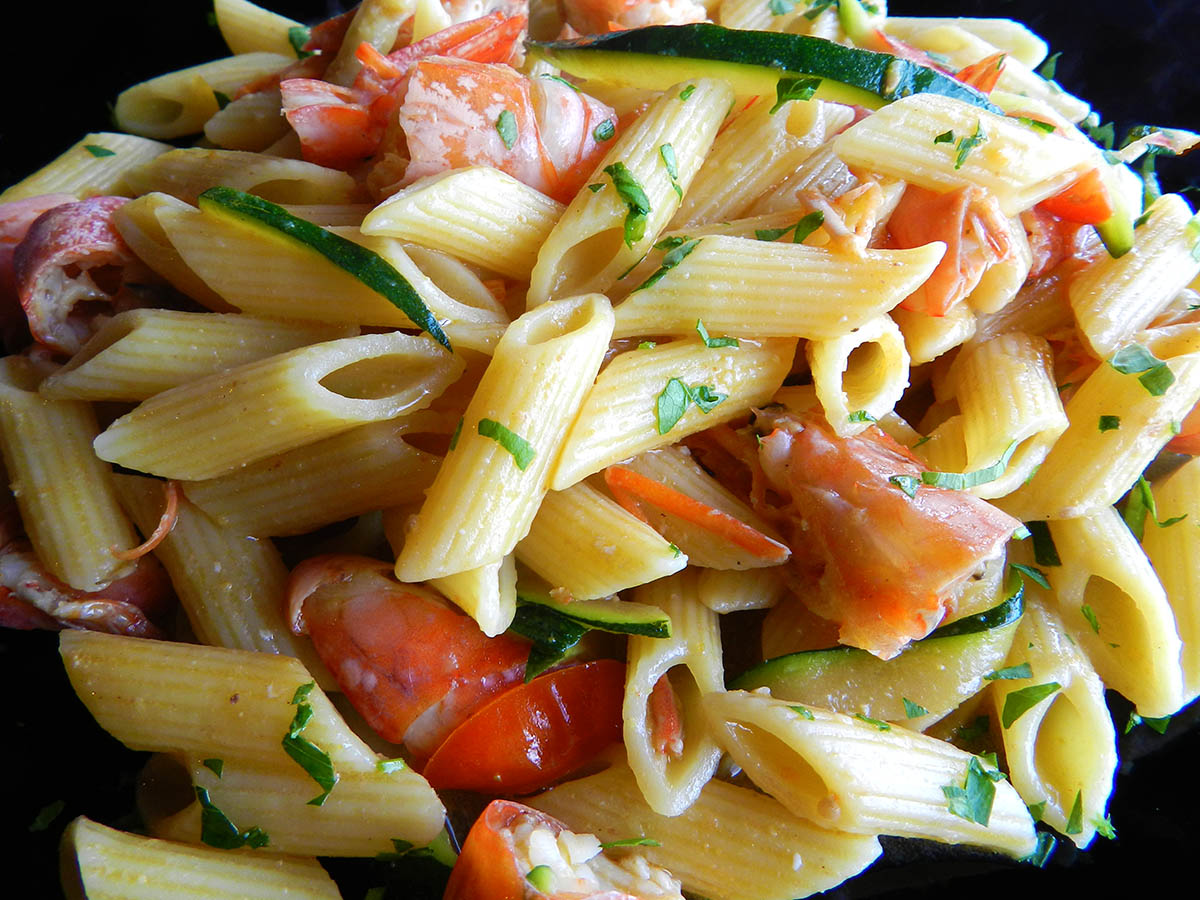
(454, 115)
(414, 666)
(891, 563)
(969, 222)
(341, 126)
(600, 16)
(72, 264)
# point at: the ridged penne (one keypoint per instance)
(859, 376)
(928, 337)
(774, 289)
(141, 352)
(94, 165)
(605, 232)
(248, 28)
(672, 768)
(732, 590)
(479, 214)
(620, 416)
(865, 777)
(500, 462)
(251, 122)
(283, 402)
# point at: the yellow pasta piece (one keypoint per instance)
(94, 165)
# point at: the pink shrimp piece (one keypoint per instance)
(891, 564)
(15, 219)
(600, 16)
(413, 665)
(71, 267)
(969, 222)
(453, 116)
(341, 127)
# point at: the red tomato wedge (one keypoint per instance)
(413, 665)
(890, 563)
(509, 840)
(534, 734)
(1085, 200)
(630, 487)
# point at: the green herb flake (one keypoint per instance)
(968, 480)
(781, 7)
(630, 842)
(1044, 551)
(388, 766)
(913, 710)
(803, 712)
(221, 98)
(1154, 374)
(562, 80)
(1158, 724)
(861, 415)
(1075, 818)
(800, 231)
(907, 483)
(1110, 423)
(667, 152)
(629, 190)
(973, 800)
(1037, 576)
(506, 127)
(218, 831)
(520, 449)
(671, 404)
(647, 345)
(1017, 703)
(946, 137)
(965, 145)
(1090, 615)
(1036, 124)
(46, 815)
(879, 724)
(302, 692)
(1104, 827)
(713, 342)
(670, 243)
(595, 186)
(1010, 673)
(687, 92)
(604, 131)
(216, 766)
(457, 434)
(97, 150)
(1046, 842)
(670, 260)
(792, 87)
(311, 758)
(1049, 68)
(298, 36)
(542, 878)
(1142, 219)
(816, 7)
(675, 551)
(1037, 810)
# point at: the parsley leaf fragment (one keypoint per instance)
(973, 800)
(630, 842)
(520, 449)
(670, 260)
(311, 758)
(713, 342)
(629, 190)
(1154, 374)
(792, 87)
(1017, 703)
(218, 831)
(604, 131)
(913, 710)
(1009, 673)
(965, 145)
(97, 150)
(506, 127)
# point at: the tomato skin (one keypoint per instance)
(1084, 201)
(534, 734)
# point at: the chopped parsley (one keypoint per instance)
(861, 415)
(803, 712)
(506, 127)
(457, 434)
(881, 725)
(1036, 124)
(218, 831)
(965, 481)
(1049, 68)
(1158, 724)
(670, 260)
(973, 800)
(946, 137)
(1140, 505)
(604, 131)
(630, 842)
(907, 483)
(629, 190)
(561, 80)
(221, 98)
(965, 145)
(793, 87)
(97, 150)
(311, 758)
(1010, 673)
(816, 7)
(1090, 614)
(520, 449)
(706, 398)
(647, 345)
(687, 92)
(1110, 423)
(1154, 374)
(1017, 703)
(1104, 827)
(667, 152)
(595, 186)
(1044, 551)
(216, 766)
(713, 342)
(675, 398)
(298, 36)
(800, 231)
(1037, 576)
(388, 766)
(1036, 810)
(1075, 818)
(913, 710)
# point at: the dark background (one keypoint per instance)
(1133, 59)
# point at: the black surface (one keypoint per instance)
(1134, 59)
